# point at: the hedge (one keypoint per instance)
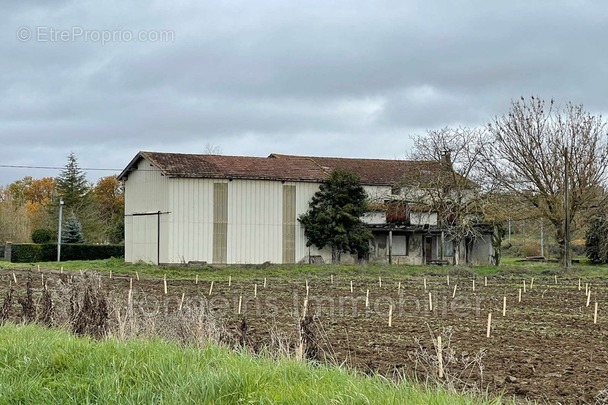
(47, 252)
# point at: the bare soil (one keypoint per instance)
(546, 348)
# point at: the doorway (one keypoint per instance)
(428, 249)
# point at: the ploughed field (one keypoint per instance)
(550, 346)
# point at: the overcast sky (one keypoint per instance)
(106, 79)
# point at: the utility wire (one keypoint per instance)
(55, 168)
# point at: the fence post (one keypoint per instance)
(7, 251)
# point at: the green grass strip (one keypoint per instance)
(43, 366)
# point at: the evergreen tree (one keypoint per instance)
(72, 183)
(334, 216)
(72, 231)
(596, 240)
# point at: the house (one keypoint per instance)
(182, 208)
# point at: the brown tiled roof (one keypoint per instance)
(284, 167)
(237, 167)
(376, 171)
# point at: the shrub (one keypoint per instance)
(26, 253)
(531, 249)
(596, 242)
(42, 236)
(46, 252)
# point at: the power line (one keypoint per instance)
(56, 168)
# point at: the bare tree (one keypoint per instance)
(212, 149)
(546, 155)
(456, 191)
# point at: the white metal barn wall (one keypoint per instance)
(255, 218)
(255, 221)
(145, 192)
(191, 220)
(304, 193)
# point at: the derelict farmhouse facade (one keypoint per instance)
(183, 208)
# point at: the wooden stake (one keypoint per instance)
(489, 324)
(331, 276)
(367, 299)
(555, 279)
(430, 301)
(165, 282)
(229, 281)
(440, 356)
(307, 291)
(38, 267)
(532, 283)
(586, 288)
(380, 282)
(454, 293)
(473, 284)
(424, 284)
(137, 276)
(240, 303)
(211, 287)
(399, 287)
(265, 281)
(196, 279)
(519, 298)
(110, 274)
(524, 285)
(181, 303)
(588, 296)
(130, 284)
(504, 305)
(390, 315)
(579, 284)
(305, 308)
(595, 314)
(255, 290)
(485, 281)
(15, 278)
(351, 286)
(61, 271)
(448, 277)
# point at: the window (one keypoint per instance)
(448, 248)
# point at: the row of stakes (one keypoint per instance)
(439, 347)
(390, 310)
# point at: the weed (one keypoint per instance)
(6, 306)
(456, 367)
(28, 307)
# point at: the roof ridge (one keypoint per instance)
(323, 168)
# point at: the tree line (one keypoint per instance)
(92, 212)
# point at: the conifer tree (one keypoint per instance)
(334, 216)
(72, 183)
(72, 231)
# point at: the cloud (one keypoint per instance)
(311, 77)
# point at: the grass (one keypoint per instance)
(46, 366)
(297, 271)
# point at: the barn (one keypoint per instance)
(185, 208)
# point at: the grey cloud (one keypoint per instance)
(336, 78)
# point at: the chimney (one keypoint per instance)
(446, 157)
